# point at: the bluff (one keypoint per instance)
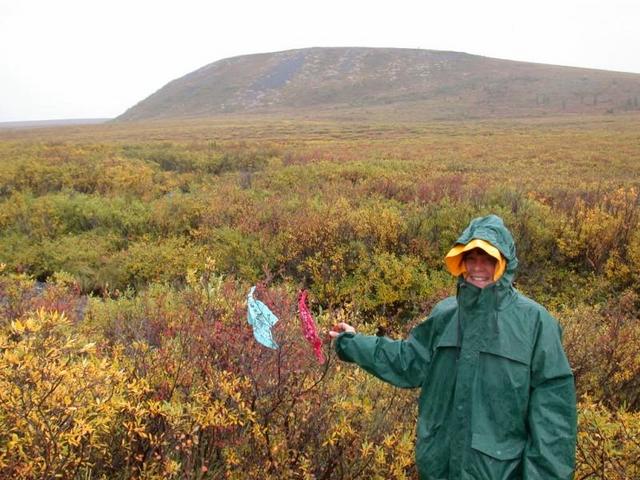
(395, 83)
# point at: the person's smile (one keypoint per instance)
(480, 268)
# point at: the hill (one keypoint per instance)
(392, 83)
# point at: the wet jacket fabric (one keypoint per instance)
(497, 397)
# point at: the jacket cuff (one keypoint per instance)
(341, 345)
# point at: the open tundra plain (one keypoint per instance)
(127, 251)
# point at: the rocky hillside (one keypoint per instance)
(401, 83)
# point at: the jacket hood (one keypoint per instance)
(491, 229)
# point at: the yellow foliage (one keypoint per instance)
(608, 443)
(594, 232)
(58, 401)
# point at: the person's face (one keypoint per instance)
(480, 267)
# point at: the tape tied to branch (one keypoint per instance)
(309, 329)
(261, 320)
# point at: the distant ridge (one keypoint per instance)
(52, 123)
(398, 83)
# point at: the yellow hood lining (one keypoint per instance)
(455, 265)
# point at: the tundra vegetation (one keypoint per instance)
(127, 252)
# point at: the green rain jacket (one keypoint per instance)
(497, 397)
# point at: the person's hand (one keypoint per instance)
(339, 328)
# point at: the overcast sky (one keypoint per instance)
(92, 59)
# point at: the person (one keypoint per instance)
(497, 398)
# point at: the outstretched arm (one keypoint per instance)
(402, 363)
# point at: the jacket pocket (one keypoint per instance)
(500, 450)
(500, 396)
(511, 352)
(494, 459)
(504, 373)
